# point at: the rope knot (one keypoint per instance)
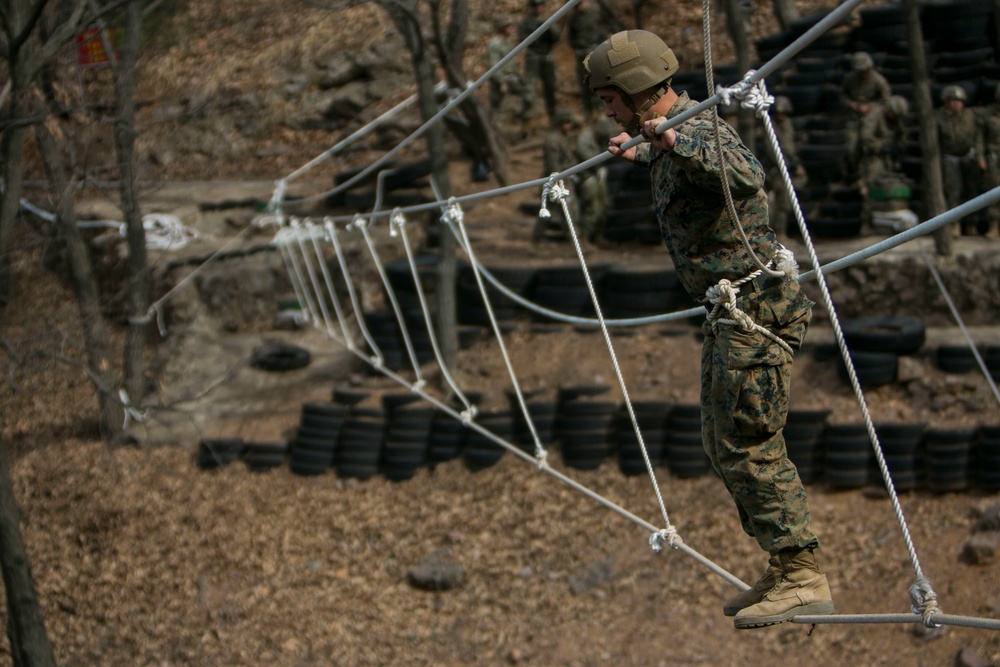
(396, 222)
(664, 537)
(758, 99)
(784, 261)
(131, 412)
(547, 194)
(469, 414)
(359, 222)
(723, 294)
(923, 601)
(453, 213)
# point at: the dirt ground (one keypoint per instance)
(142, 558)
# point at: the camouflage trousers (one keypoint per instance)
(744, 404)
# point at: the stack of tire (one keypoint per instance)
(407, 434)
(218, 452)
(544, 412)
(314, 446)
(847, 455)
(903, 449)
(359, 448)
(803, 434)
(584, 426)
(399, 274)
(471, 309)
(630, 216)
(988, 463)
(564, 289)
(264, 456)
(948, 456)
(956, 358)
(683, 449)
(875, 344)
(651, 416)
(627, 293)
(481, 450)
(402, 185)
(388, 337)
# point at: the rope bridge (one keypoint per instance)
(306, 246)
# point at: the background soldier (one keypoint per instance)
(880, 144)
(585, 31)
(539, 64)
(861, 88)
(990, 122)
(507, 81)
(961, 141)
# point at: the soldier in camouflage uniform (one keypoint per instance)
(990, 122)
(961, 142)
(567, 145)
(585, 30)
(507, 81)
(860, 90)
(881, 139)
(746, 364)
(539, 65)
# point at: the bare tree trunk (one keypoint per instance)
(29, 641)
(406, 21)
(12, 146)
(736, 23)
(786, 12)
(88, 298)
(451, 47)
(139, 279)
(934, 198)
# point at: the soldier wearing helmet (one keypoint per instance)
(566, 145)
(860, 90)
(881, 139)
(539, 64)
(960, 139)
(990, 122)
(745, 371)
(506, 83)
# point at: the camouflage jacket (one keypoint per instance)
(496, 49)
(989, 121)
(558, 152)
(959, 134)
(585, 29)
(543, 45)
(702, 240)
(880, 136)
(868, 89)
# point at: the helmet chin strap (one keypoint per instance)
(635, 125)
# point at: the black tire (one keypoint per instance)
(280, 358)
(873, 369)
(885, 333)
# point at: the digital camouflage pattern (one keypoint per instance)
(745, 376)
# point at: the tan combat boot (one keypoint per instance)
(801, 590)
(755, 593)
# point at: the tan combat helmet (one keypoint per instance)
(632, 61)
(899, 106)
(862, 61)
(954, 93)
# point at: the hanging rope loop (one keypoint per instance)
(396, 222)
